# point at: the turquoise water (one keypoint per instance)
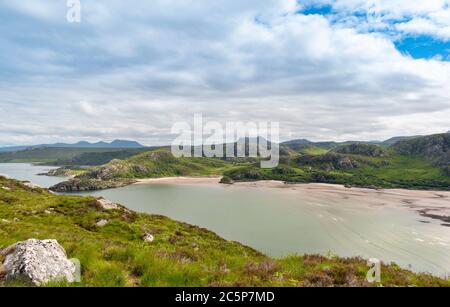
(279, 222)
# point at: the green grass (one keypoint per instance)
(52, 155)
(313, 150)
(161, 163)
(181, 255)
(395, 171)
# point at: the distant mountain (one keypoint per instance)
(298, 142)
(394, 140)
(82, 144)
(304, 143)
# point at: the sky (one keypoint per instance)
(325, 70)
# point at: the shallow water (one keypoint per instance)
(284, 221)
(29, 172)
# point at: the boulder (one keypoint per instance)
(38, 262)
(149, 237)
(102, 223)
(107, 205)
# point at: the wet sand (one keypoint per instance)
(432, 204)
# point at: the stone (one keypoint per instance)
(107, 205)
(30, 185)
(38, 262)
(6, 188)
(149, 237)
(101, 223)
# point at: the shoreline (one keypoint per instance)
(431, 204)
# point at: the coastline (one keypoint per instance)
(428, 203)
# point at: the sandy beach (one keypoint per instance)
(433, 204)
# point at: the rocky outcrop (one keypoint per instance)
(361, 149)
(108, 205)
(38, 262)
(330, 161)
(109, 171)
(434, 148)
(58, 172)
(80, 185)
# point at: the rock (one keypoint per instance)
(6, 188)
(4, 221)
(85, 184)
(58, 172)
(30, 185)
(369, 150)
(37, 261)
(107, 205)
(101, 223)
(149, 237)
(16, 219)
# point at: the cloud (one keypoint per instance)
(131, 70)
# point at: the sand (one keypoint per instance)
(434, 204)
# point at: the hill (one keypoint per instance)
(433, 148)
(116, 253)
(150, 164)
(396, 139)
(369, 150)
(62, 155)
(82, 144)
(412, 164)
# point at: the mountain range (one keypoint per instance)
(82, 144)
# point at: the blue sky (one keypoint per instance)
(324, 69)
(417, 44)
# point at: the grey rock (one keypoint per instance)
(37, 261)
(149, 237)
(102, 223)
(107, 205)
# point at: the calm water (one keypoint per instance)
(282, 221)
(29, 172)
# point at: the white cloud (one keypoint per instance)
(131, 69)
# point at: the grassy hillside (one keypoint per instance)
(52, 155)
(180, 255)
(433, 148)
(98, 158)
(354, 164)
(151, 164)
(420, 163)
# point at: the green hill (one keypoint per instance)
(419, 163)
(433, 148)
(151, 164)
(58, 156)
(180, 255)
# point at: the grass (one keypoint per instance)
(395, 171)
(50, 155)
(181, 254)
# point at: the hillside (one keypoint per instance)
(417, 164)
(82, 144)
(180, 255)
(98, 157)
(412, 164)
(53, 155)
(151, 164)
(433, 148)
(368, 150)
